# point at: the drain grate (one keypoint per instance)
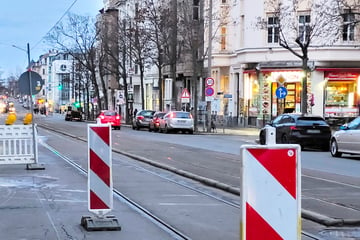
(341, 233)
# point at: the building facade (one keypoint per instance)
(250, 65)
(57, 71)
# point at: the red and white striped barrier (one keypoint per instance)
(270, 192)
(100, 185)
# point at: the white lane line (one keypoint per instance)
(189, 204)
(332, 181)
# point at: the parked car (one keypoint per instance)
(110, 117)
(142, 119)
(346, 139)
(155, 121)
(177, 121)
(72, 113)
(306, 130)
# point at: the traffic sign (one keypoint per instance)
(209, 81)
(270, 192)
(36, 83)
(209, 91)
(185, 93)
(100, 184)
(281, 92)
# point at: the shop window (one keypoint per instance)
(339, 94)
(273, 29)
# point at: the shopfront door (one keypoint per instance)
(289, 104)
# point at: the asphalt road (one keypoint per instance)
(330, 186)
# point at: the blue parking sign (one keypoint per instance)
(281, 92)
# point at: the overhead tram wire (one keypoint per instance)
(58, 21)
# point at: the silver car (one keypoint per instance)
(347, 139)
(177, 121)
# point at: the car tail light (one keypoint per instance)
(293, 128)
(172, 115)
(102, 116)
(190, 116)
(157, 120)
(117, 117)
(140, 117)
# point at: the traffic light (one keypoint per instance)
(60, 86)
(77, 104)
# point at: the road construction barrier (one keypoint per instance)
(16, 144)
(270, 192)
(100, 184)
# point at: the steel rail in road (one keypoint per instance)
(165, 226)
(143, 211)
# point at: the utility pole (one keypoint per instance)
(208, 103)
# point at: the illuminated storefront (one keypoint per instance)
(341, 94)
(291, 80)
(261, 102)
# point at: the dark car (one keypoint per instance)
(305, 130)
(142, 119)
(154, 124)
(72, 113)
(110, 117)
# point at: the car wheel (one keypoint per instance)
(150, 130)
(284, 138)
(166, 129)
(262, 139)
(133, 127)
(191, 132)
(334, 149)
(325, 147)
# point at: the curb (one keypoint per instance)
(306, 214)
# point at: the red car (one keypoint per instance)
(111, 117)
(155, 121)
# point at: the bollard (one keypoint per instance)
(270, 135)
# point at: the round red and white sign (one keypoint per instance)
(209, 81)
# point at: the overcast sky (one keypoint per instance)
(28, 21)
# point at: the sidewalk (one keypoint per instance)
(49, 204)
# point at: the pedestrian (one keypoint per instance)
(135, 112)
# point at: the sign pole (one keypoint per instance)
(32, 166)
(208, 103)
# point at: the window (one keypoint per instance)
(223, 38)
(273, 29)
(196, 9)
(304, 27)
(348, 27)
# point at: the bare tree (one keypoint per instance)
(142, 46)
(191, 45)
(301, 24)
(78, 37)
(158, 17)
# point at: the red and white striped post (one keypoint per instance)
(270, 192)
(100, 185)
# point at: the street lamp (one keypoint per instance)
(36, 166)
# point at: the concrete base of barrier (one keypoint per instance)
(107, 223)
(35, 166)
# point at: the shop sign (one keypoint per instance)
(341, 76)
(341, 111)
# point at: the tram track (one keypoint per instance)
(148, 214)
